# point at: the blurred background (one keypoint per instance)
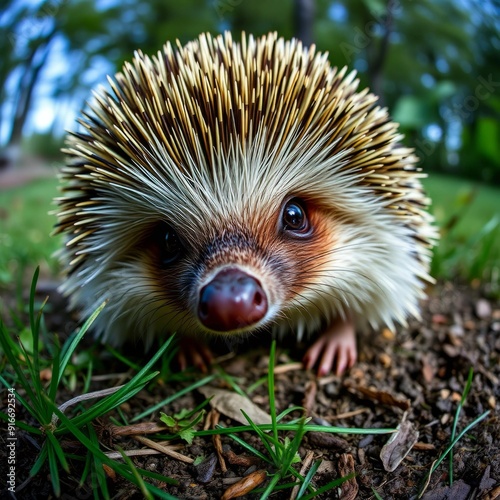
(434, 63)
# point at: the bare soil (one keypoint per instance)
(416, 375)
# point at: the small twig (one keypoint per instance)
(83, 397)
(350, 414)
(131, 453)
(163, 449)
(216, 439)
(289, 367)
(142, 428)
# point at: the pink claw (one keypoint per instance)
(194, 352)
(337, 343)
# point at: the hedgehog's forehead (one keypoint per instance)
(236, 189)
(246, 185)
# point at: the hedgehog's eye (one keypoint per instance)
(171, 247)
(294, 217)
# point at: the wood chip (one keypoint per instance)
(110, 473)
(424, 446)
(309, 400)
(245, 485)
(243, 460)
(349, 489)
(382, 397)
(428, 371)
(388, 334)
(494, 494)
(327, 440)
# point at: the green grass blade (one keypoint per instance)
(271, 444)
(9, 348)
(231, 382)
(33, 324)
(31, 409)
(97, 469)
(54, 381)
(119, 468)
(270, 487)
(249, 447)
(328, 487)
(295, 427)
(110, 402)
(450, 447)
(465, 393)
(270, 384)
(54, 471)
(118, 355)
(168, 400)
(123, 394)
(42, 457)
(139, 481)
(292, 449)
(307, 480)
(288, 411)
(55, 447)
(70, 346)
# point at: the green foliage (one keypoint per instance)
(468, 216)
(25, 227)
(183, 424)
(46, 144)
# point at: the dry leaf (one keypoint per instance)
(230, 404)
(205, 470)
(398, 446)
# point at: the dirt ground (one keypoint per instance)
(416, 376)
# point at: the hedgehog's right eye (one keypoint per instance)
(294, 218)
(171, 246)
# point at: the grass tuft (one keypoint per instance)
(39, 400)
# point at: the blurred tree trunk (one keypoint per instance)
(32, 67)
(303, 19)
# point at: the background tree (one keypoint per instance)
(434, 63)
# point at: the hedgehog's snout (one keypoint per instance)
(232, 300)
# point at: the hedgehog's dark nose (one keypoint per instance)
(232, 300)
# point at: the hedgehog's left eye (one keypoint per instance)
(171, 246)
(294, 218)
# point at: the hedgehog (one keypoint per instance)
(236, 189)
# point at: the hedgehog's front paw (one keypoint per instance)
(193, 352)
(337, 343)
